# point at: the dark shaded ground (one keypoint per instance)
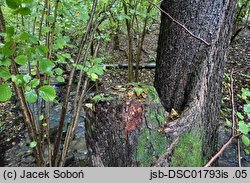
(12, 129)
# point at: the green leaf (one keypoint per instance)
(18, 79)
(60, 79)
(46, 29)
(97, 69)
(28, 1)
(33, 144)
(34, 83)
(97, 61)
(66, 55)
(5, 92)
(5, 73)
(42, 49)
(79, 67)
(243, 128)
(2, 34)
(58, 71)
(10, 31)
(33, 39)
(240, 115)
(229, 123)
(6, 62)
(247, 108)
(31, 96)
(26, 78)
(27, 88)
(60, 43)
(8, 49)
(21, 60)
(24, 11)
(247, 151)
(50, 19)
(245, 93)
(46, 82)
(13, 4)
(84, 16)
(24, 36)
(48, 93)
(245, 140)
(46, 66)
(138, 91)
(93, 76)
(41, 117)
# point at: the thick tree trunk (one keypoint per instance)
(189, 74)
(124, 127)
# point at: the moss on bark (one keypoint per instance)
(188, 151)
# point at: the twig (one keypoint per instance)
(241, 69)
(180, 24)
(221, 150)
(239, 155)
(234, 118)
(232, 103)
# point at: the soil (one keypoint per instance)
(12, 129)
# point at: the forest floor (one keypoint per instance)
(12, 130)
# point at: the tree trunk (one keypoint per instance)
(2, 29)
(124, 127)
(2, 25)
(189, 75)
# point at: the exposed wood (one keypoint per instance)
(124, 129)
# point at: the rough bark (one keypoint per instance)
(123, 128)
(189, 73)
(2, 29)
(2, 25)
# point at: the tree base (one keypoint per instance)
(124, 127)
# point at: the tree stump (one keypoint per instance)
(124, 127)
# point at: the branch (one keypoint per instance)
(234, 112)
(241, 70)
(221, 150)
(232, 103)
(180, 24)
(239, 153)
